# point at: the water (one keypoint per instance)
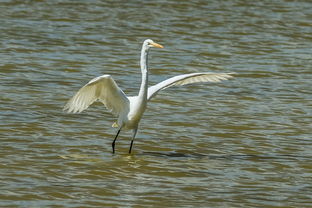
(240, 143)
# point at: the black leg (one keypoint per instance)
(113, 144)
(130, 146)
(134, 133)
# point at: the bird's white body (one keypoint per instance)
(130, 110)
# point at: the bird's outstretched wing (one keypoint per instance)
(102, 88)
(185, 79)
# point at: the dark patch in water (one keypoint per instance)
(229, 157)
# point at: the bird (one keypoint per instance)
(130, 109)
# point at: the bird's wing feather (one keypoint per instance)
(185, 79)
(102, 88)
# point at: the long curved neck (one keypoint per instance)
(144, 84)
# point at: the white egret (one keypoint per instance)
(129, 110)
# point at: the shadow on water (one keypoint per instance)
(176, 155)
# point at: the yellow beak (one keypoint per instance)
(157, 45)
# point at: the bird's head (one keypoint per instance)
(150, 44)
